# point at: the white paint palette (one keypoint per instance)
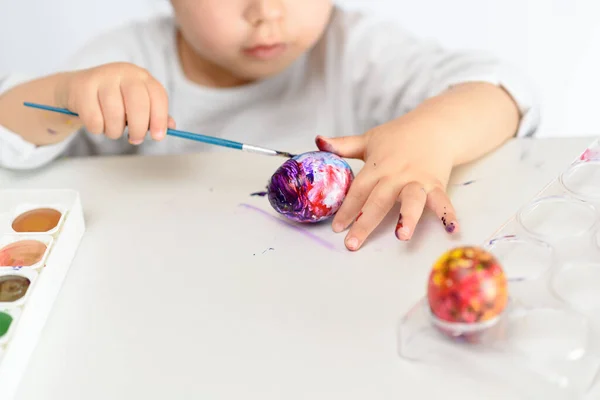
(546, 343)
(40, 231)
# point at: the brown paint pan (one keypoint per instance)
(16, 285)
(24, 251)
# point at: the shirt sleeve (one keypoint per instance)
(392, 72)
(16, 153)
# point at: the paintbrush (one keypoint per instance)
(188, 135)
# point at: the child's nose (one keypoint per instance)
(265, 11)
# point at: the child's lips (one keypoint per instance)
(266, 52)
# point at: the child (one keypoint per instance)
(273, 73)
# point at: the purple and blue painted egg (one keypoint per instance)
(310, 187)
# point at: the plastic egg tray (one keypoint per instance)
(546, 343)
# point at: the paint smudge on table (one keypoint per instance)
(467, 183)
(51, 131)
(297, 228)
(261, 193)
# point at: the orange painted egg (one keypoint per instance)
(467, 285)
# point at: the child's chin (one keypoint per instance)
(253, 70)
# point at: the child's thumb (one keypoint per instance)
(346, 146)
(171, 123)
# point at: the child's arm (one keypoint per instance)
(424, 110)
(105, 97)
(100, 81)
(467, 121)
(34, 126)
(388, 72)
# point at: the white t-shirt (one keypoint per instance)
(362, 73)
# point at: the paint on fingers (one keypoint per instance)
(323, 145)
(402, 232)
(449, 224)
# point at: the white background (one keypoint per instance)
(557, 42)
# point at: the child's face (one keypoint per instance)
(251, 39)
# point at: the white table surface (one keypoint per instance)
(172, 295)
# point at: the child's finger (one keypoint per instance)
(113, 110)
(346, 146)
(171, 124)
(89, 110)
(358, 193)
(159, 110)
(380, 202)
(440, 204)
(137, 108)
(412, 200)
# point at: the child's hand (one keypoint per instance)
(405, 161)
(410, 159)
(111, 96)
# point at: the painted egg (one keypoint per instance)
(467, 285)
(310, 187)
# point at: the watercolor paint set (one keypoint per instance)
(546, 341)
(40, 231)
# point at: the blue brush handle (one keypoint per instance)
(172, 132)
